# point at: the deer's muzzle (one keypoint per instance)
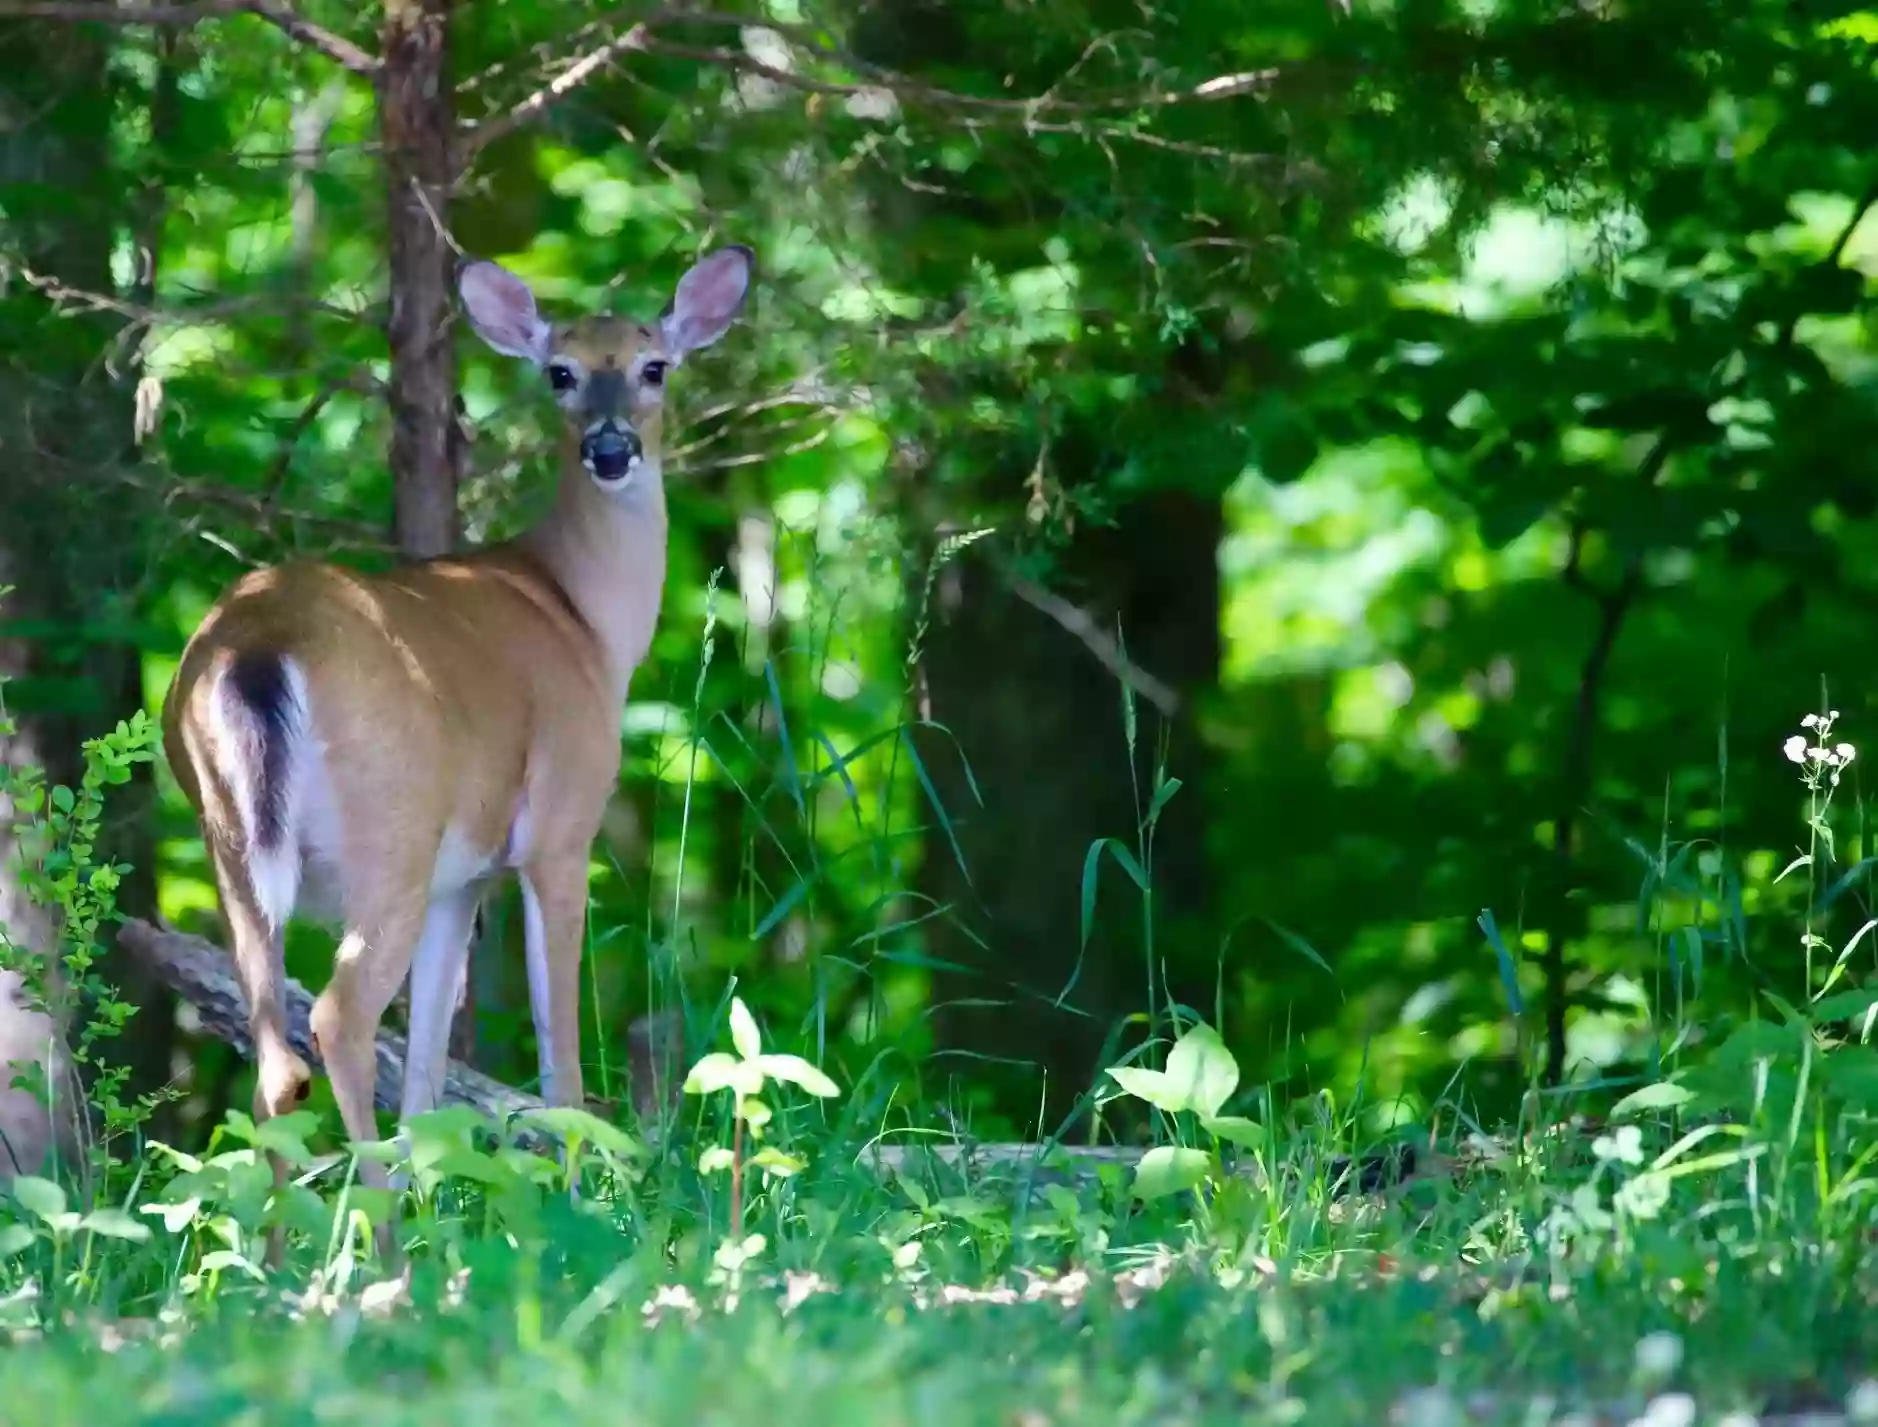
(610, 450)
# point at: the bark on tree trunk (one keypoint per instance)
(1040, 722)
(417, 118)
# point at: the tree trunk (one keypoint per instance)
(1040, 722)
(417, 117)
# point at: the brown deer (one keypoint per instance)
(374, 749)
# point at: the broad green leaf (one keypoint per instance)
(16, 1239)
(39, 1197)
(1201, 1071)
(569, 1122)
(220, 1259)
(286, 1135)
(1234, 1129)
(177, 1216)
(115, 1224)
(743, 1032)
(797, 1071)
(720, 1071)
(1150, 1085)
(754, 1113)
(1664, 1095)
(714, 1159)
(773, 1161)
(1168, 1169)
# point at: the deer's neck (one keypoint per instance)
(606, 549)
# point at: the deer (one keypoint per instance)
(375, 749)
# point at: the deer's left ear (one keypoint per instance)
(707, 301)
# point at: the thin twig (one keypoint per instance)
(277, 13)
(1098, 642)
(536, 104)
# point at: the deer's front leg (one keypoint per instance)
(554, 908)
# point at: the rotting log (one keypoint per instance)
(204, 975)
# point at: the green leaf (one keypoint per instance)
(227, 1258)
(797, 1071)
(743, 1032)
(1664, 1095)
(115, 1224)
(176, 1216)
(1168, 1169)
(715, 1159)
(1149, 1085)
(16, 1239)
(721, 1071)
(39, 1197)
(569, 1122)
(1201, 1071)
(1234, 1129)
(773, 1161)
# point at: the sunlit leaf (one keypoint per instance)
(1168, 1169)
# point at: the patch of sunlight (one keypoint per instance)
(173, 350)
(1302, 563)
(1414, 213)
(797, 509)
(1471, 571)
(1520, 253)
(867, 302)
(1818, 220)
(1491, 1039)
(1424, 1001)
(662, 732)
(1839, 343)
(1366, 701)
(181, 899)
(1044, 301)
(863, 442)
(1598, 1039)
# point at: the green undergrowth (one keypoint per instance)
(757, 1259)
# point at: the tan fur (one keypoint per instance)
(452, 705)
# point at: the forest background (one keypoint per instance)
(1324, 515)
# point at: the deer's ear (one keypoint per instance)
(707, 301)
(502, 310)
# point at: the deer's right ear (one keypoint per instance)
(502, 310)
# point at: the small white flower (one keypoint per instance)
(1659, 1355)
(1861, 1403)
(1672, 1409)
(1810, 721)
(1795, 748)
(1846, 752)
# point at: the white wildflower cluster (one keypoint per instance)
(1815, 752)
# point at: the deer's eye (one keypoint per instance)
(653, 374)
(561, 377)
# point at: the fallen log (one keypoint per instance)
(204, 976)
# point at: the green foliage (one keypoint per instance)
(54, 830)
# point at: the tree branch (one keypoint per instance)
(277, 13)
(644, 37)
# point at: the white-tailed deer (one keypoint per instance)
(375, 748)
